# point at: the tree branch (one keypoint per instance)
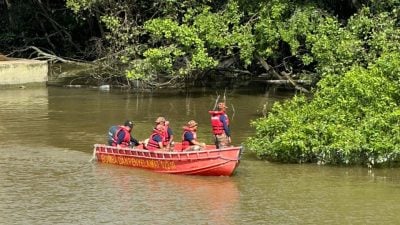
(282, 76)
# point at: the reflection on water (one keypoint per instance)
(46, 141)
(170, 197)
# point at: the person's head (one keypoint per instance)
(192, 124)
(222, 106)
(160, 120)
(128, 124)
(159, 127)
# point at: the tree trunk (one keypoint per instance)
(10, 18)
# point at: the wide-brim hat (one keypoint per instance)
(192, 123)
(160, 119)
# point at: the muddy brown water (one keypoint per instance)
(46, 141)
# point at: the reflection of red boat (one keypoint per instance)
(209, 162)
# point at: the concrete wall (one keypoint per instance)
(22, 71)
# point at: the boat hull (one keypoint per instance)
(210, 162)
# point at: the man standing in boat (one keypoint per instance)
(120, 136)
(220, 126)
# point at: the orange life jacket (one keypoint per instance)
(152, 144)
(217, 125)
(127, 137)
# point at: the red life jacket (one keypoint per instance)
(217, 125)
(185, 143)
(127, 137)
(152, 144)
(166, 136)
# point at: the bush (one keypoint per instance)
(352, 119)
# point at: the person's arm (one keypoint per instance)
(189, 137)
(171, 134)
(134, 141)
(226, 127)
(202, 144)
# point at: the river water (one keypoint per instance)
(46, 142)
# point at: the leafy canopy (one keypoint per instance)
(196, 43)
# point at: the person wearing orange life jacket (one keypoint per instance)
(220, 126)
(189, 138)
(168, 133)
(120, 136)
(155, 141)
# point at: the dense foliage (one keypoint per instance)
(352, 119)
(353, 116)
(174, 40)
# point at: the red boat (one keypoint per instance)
(208, 162)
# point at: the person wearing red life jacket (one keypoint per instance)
(189, 138)
(155, 141)
(168, 133)
(120, 136)
(220, 126)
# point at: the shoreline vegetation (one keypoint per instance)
(345, 54)
(353, 119)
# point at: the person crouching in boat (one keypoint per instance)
(168, 133)
(220, 126)
(120, 135)
(189, 138)
(156, 139)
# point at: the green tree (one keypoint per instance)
(353, 116)
(174, 40)
(351, 119)
(203, 40)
